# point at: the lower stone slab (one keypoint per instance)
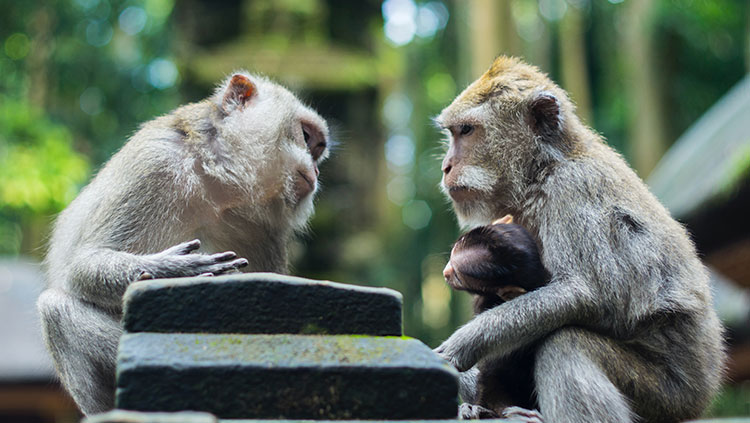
(285, 376)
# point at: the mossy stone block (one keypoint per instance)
(285, 376)
(260, 303)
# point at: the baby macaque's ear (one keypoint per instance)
(503, 220)
(239, 91)
(544, 114)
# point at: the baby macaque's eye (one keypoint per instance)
(467, 129)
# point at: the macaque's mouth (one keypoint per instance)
(310, 182)
(462, 193)
(304, 184)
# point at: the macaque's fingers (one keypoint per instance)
(507, 293)
(225, 256)
(145, 275)
(224, 267)
(503, 220)
(458, 350)
(522, 415)
(184, 248)
(468, 411)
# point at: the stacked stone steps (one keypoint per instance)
(266, 346)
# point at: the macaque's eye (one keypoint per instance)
(466, 129)
(318, 151)
(315, 140)
(306, 135)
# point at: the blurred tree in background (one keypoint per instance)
(78, 76)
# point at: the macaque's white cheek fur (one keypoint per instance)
(477, 212)
(298, 158)
(476, 178)
(473, 214)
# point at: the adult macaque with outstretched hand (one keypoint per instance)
(209, 188)
(625, 329)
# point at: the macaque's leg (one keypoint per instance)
(572, 380)
(467, 385)
(83, 342)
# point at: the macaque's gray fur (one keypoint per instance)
(209, 188)
(625, 330)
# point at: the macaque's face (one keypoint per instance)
(469, 178)
(283, 141)
(494, 130)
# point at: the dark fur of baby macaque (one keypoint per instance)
(496, 263)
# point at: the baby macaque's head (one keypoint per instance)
(500, 259)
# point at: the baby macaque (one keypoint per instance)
(496, 263)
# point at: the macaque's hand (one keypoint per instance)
(181, 261)
(459, 349)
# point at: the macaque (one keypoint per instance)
(625, 330)
(497, 263)
(212, 187)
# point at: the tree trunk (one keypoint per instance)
(646, 129)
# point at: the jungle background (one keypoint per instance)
(77, 77)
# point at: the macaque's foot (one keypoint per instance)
(181, 261)
(468, 411)
(523, 415)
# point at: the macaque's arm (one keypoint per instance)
(101, 275)
(514, 324)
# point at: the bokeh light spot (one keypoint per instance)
(91, 101)
(401, 189)
(400, 21)
(132, 20)
(416, 214)
(98, 33)
(162, 73)
(17, 46)
(399, 152)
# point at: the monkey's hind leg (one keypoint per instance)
(83, 342)
(582, 376)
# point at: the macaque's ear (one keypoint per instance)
(544, 114)
(239, 91)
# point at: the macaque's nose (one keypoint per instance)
(447, 165)
(448, 272)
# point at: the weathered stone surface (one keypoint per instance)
(257, 303)
(126, 416)
(285, 376)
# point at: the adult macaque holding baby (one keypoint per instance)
(625, 329)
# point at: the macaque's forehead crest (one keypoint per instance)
(508, 79)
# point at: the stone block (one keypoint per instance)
(260, 303)
(285, 376)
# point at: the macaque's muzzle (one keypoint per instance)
(305, 182)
